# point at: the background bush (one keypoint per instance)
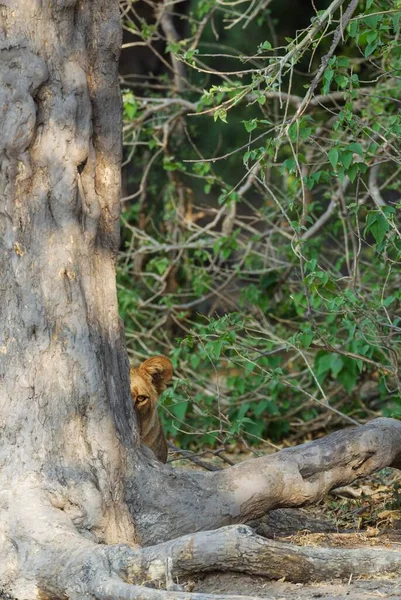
(261, 228)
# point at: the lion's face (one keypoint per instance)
(147, 382)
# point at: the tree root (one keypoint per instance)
(294, 477)
(118, 572)
(114, 573)
(54, 559)
(237, 548)
(101, 573)
(123, 591)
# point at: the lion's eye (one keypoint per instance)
(142, 399)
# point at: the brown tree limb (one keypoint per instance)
(290, 478)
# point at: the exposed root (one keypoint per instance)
(239, 549)
(294, 477)
(117, 572)
(53, 559)
(122, 591)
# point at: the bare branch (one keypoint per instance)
(338, 36)
(374, 189)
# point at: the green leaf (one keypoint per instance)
(306, 338)
(372, 35)
(310, 265)
(389, 300)
(328, 363)
(220, 113)
(179, 410)
(290, 165)
(130, 105)
(305, 132)
(131, 109)
(377, 225)
(372, 21)
(201, 168)
(355, 147)
(250, 125)
(353, 28)
(353, 171)
(347, 379)
(293, 132)
(333, 157)
(342, 61)
(341, 81)
(194, 360)
(161, 264)
(336, 365)
(346, 159)
(169, 164)
(370, 48)
(188, 56)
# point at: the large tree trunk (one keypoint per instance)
(67, 422)
(73, 478)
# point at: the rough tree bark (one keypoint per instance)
(77, 493)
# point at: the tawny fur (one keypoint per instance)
(147, 382)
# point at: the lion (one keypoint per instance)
(147, 383)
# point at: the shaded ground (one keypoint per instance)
(278, 590)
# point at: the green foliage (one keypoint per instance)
(262, 241)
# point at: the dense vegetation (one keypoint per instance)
(261, 230)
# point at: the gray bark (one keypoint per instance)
(74, 481)
(67, 423)
(63, 362)
(293, 477)
(238, 549)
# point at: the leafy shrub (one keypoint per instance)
(261, 224)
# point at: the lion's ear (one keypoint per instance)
(160, 370)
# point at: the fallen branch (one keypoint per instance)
(188, 455)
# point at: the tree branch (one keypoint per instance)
(338, 35)
(374, 188)
(292, 477)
